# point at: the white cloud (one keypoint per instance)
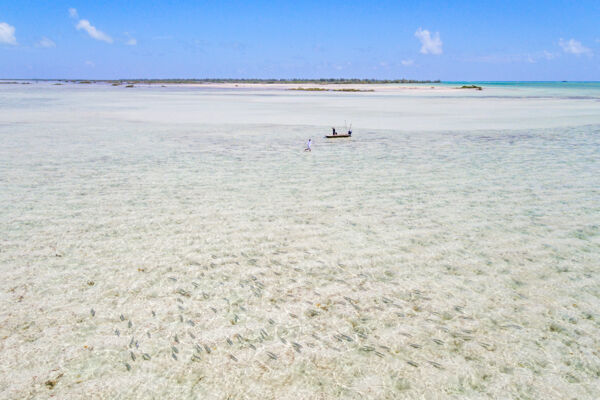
(92, 31)
(90, 64)
(407, 63)
(131, 42)
(45, 42)
(574, 47)
(73, 13)
(430, 44)
(7, 34)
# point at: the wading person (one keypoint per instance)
(308, 144)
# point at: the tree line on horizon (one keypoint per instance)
(252, 80)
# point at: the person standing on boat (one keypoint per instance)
(333, 132)
(308, 144)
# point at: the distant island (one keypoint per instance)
(340, 81)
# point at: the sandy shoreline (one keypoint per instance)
(288, 86)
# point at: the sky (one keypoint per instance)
(526, 40)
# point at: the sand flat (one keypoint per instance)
(178, 243)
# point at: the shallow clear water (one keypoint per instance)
(449, 249)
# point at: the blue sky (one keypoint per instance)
(448, 40)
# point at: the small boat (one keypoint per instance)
(337, 136)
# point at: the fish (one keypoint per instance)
(128, 366)
(190, 322)
(229, 342)
(271, 321)
(195, 358)
(253, 347)
(283, 340)
(486, 346)
(117, 332)
(92, 312)
(131, 342)
(207, 349)
(438, 341)
(132, 355)
(346, 337)
(414, 364)
(436, 365)
(129, 324)
(176, 338)
(416, 346)
(271, 355)
(174, 356)
(122, 317)
(146, 356)
(148, 334)
(175, 350)
(192, 335)
(198, 348)
(153, 313)
(232, 357)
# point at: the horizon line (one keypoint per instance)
(297, 80)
